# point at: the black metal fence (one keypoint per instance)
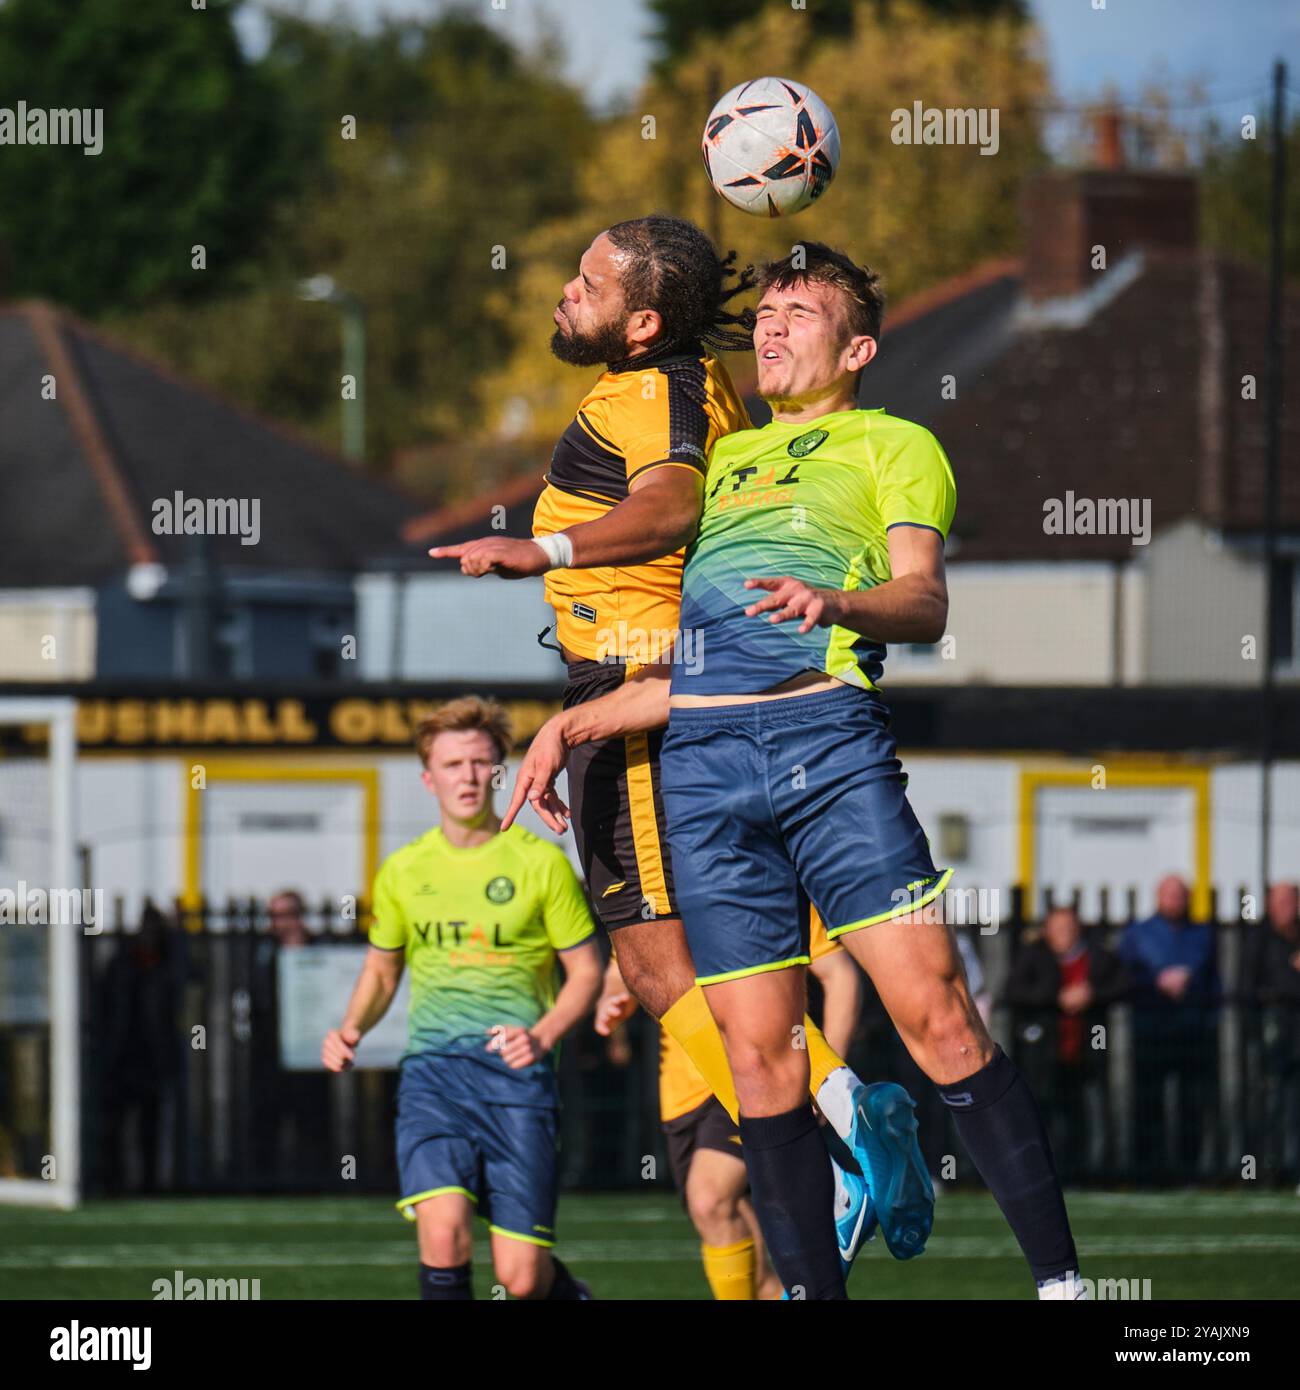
(1145, 1092)
(183, 1090)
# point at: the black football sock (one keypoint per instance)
(999, 1123)
(793, 1191)
(566, 1288)
(449, 1285)
(839, 1150)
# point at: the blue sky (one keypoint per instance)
(1228, 44)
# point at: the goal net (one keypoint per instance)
(41, 924)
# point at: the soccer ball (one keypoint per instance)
(771, 146)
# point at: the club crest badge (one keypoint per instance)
(500, 890)
(803, 446)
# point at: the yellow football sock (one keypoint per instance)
(822, 1057)
(691, 1024)
(731, 1270)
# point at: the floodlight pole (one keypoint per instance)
(1273, 425)
(321, 289)
(199, 598)
(354, 365)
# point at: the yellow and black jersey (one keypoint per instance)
(681, 1087)
(667, 413)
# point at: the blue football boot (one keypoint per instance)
(884, 1143)
(855, 1214)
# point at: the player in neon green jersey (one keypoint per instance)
(824, 494)
(822, 539)
(480, 915)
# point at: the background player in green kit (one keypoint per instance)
(821, 540)
(480, 915)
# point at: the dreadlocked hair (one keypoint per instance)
(674, 270)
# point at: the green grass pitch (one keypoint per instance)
(634, 1246)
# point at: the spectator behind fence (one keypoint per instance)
(141, 1054)
(1271, 993)
(1175, 1029)
(288, 924)
(290, 1109)
(1060, 987)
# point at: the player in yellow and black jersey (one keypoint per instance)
(638, 423)
(703, 1141)
(623, 496)
(636, 420)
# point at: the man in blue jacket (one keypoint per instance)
(1175, 1028)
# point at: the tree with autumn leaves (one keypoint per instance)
(450, 180)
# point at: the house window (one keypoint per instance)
(1286, 640)
(954, 837)
(327, 633)
(232, 656)
(913, 658)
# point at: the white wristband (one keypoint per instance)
(558, 548)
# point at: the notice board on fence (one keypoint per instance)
(314, 988)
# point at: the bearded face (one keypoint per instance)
(606, 342)
(591, 318)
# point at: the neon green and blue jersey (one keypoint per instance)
(814, 501)
(480, 928)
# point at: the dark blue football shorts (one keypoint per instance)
(763, 799)
(504, 1158)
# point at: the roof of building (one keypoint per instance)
(1143, 400)
(83, 471)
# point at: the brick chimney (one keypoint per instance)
(1108, 140)
(1067, 214)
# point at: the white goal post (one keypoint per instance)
(40, 1012)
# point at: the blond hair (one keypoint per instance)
(458, 716)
